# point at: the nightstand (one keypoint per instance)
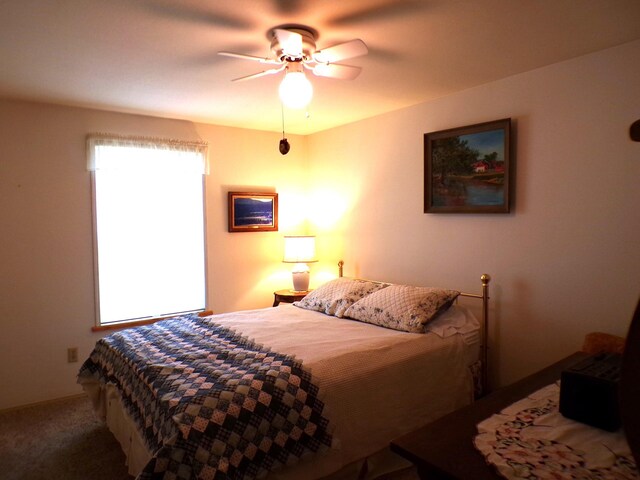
(287, 296)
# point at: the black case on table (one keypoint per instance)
(589, 391)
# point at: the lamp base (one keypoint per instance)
(300, 281)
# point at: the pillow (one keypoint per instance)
(456, 320)
(335, 296)
(402, 307)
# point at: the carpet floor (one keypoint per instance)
(58, 440)
(63, 440)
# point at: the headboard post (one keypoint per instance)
(340, 265)
(485, 279)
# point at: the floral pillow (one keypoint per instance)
(402, 307)
(335, 296)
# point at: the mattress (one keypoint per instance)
(377, 383)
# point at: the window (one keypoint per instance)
(149, 236)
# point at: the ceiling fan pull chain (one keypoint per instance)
(283, 146)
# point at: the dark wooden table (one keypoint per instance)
(288, 296)
(444, 449)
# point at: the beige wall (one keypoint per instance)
(565, 262)
(46, 260)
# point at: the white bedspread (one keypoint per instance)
(377, 384)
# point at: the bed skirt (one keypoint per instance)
(110, 409)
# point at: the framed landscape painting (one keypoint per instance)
(468, 169)
(253, 212)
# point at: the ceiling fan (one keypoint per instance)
(293, 50)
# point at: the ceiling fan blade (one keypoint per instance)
(198, 15)
(291, 42)
(342, 51)
(268, 61)
(259, 74)
(384, 11)
(332, 70)
(289, 7)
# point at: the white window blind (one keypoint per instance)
(149, 233)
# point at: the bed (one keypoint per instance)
(336, 379)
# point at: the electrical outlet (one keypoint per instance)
(72, 354)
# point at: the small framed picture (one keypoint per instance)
(468, 169)
(253, 212)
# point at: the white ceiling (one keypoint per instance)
(158, 57)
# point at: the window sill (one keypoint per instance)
(138, 323)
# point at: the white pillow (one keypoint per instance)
(335, 296)
(456, 320)
(402, 307)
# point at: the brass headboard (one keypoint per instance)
(484, 345)
(484, 341)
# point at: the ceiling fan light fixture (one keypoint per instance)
(295, 89)
(293, 49)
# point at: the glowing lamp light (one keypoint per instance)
(295, 90)
(300, 250)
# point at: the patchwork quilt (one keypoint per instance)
(210, 402)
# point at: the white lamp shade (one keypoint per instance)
(299, 249)
(295, 90)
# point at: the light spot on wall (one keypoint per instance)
(292, 214)
(327, 206)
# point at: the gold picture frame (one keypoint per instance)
(253, 212)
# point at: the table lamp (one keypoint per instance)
(300, 250)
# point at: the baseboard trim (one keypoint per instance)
(43, 402)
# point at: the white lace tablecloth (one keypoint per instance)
(531, 439)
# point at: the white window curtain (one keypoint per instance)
(143, 153)
(149, 230)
